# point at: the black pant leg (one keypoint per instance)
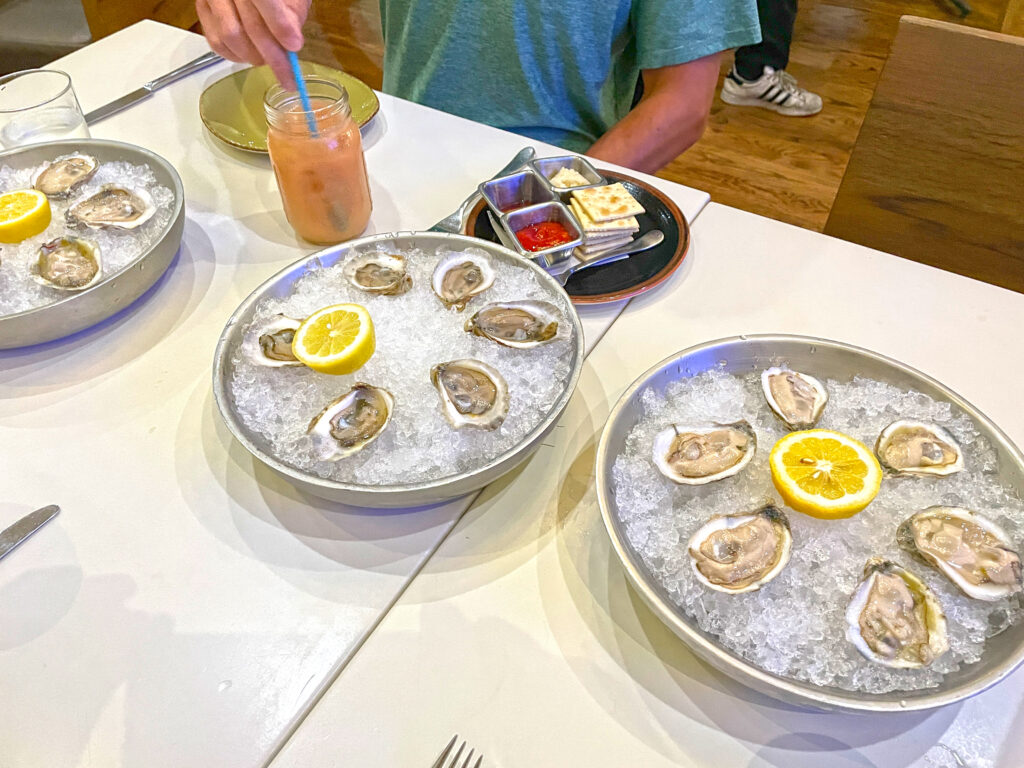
(777, 18)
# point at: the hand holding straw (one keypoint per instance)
(300, 85)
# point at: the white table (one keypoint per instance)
(521, 633)
(187, 606)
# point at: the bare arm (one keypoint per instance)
(670, 117)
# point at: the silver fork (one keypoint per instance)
(453, 221)
(449, 751)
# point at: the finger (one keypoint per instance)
(267, 45)
(282, 23)
(230, 34)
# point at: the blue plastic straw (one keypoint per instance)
(300, 84)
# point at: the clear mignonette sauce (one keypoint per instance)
(322, 178)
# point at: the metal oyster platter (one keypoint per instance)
(414, 494)
(1002, 653)
(109, 295)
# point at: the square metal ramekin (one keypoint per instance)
(547, 167)
(517, 190)
(535, 214)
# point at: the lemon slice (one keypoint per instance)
(337, 339)
(24, 213)
(824, 474)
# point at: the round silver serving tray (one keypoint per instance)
(826, 359)
(412, 494)
(83, 309)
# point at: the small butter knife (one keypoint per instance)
(21, 530)
(153, 85)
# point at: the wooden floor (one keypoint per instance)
(788, 168)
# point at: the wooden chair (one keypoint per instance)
(937, 173)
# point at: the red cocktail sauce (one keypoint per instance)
(546, 234)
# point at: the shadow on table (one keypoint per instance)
(676, 684)
(271, 521)
(115, 679)
(135, 331)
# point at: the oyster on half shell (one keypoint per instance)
(699, 454)
(918, 448)
(381, 273)
(69, 264)
(796, 398)
(969, 549)
(741, 553)
(269, 342)
(63, 175)
(458, 277)
(351, 422)
(113, 207)
(473, 394)
(894, 619)
(517, 324)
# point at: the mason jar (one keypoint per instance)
(322, 176)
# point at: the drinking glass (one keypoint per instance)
(39, 105)
(322, 176)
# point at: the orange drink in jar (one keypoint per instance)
(322, 177)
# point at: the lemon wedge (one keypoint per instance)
(336, 339)
(24, 213)
(824, 474)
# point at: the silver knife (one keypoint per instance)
(147, 90)
(29, 524)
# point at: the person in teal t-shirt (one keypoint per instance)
(560, 71)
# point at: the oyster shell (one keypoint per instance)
(458, 277)
(918, 448)
(894, 619)
(473, 394)
(269, 342)
(699, 454)
(971, 550)
(113, 207)
(796, 398)
(741, 553)
(382, 273)
(517, 324)
(60, 178)
(351, 422)
(70, 264)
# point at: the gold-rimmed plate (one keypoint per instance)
(232, 108)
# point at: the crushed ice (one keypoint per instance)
(19, 291)
(795, 625)
(414, 332)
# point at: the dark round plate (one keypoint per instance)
(629, 277)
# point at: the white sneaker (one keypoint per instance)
(775, 89)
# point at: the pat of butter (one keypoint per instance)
(568, 177)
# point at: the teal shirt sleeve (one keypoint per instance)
(677, 31)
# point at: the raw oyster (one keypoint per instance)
(60, 178)
(69, 264)
(382, 273)
(473, 394)
(971, 550)
(796, 398)
(270, 342)
(517, 324)
(113, 207)
(458, 277)
(894, 619)
(918, 448)
(699, 454)
(741, 553)
(351, 422)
